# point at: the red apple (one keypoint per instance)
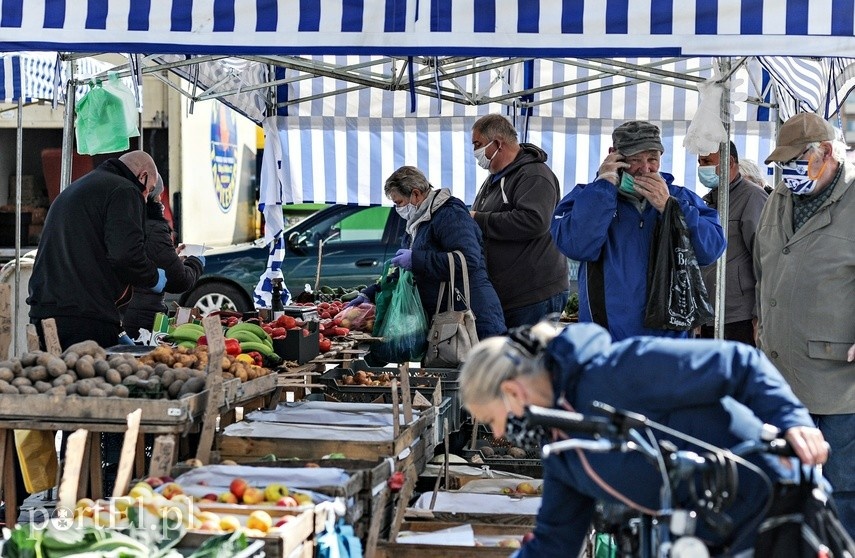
(283, 520)
(287, 502)
(153, 482)
(210, 497)
(528, 537)
(238, 487)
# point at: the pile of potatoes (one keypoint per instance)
(196, 359)
(84, 369)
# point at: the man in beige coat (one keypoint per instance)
(804, 260)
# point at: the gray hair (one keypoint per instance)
(838, 149)
(495, 126)
(405, 180)
(498, 359)
(752, 172)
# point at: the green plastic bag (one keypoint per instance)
(388, 280)
(101, 125)
(405, 327)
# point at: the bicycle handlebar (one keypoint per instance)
(576, 423)
(600, 446)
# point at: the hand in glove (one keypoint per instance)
(125, 340)
(161, 281)
(360, 299)
(403, 258)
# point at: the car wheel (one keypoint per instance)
(218, 296)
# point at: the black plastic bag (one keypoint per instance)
(802, 523)
(677, 298)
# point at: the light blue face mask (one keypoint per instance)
(708, 176)
(627, 183)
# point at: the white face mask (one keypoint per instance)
(405, 211)
(708, 176)
(481, 157)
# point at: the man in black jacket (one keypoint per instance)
(91, 254)
(514, 210)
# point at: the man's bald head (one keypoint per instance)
(142, 165)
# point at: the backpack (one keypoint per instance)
(802, 523)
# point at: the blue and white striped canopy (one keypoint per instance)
(540, 28)
(38, 76)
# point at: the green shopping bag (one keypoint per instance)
(388, 280)
(404, 329)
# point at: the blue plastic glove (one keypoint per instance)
(161, 281)
(403, 258)
(125, 340)
(360, 299)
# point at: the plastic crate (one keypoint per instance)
(448, 378)
(530, 465)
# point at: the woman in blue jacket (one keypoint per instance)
(719, 392)
(437, 224)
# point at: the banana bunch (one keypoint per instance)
(252, 338)
(187, 335)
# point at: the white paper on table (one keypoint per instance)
(310, 432)
(493, 504)
(462, 535)
(193, 250)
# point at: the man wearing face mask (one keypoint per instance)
(746, 201)
(608, 226)
(804, 261)
(513, 208)
(92, 252)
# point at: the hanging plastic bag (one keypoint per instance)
(388, 280)
(129, 103)
(37, 456)
(101, 124)
(405, 327)
(677, 298)
(338, 541)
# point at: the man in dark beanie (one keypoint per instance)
(608, 226)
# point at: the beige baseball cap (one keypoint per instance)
(796, 133)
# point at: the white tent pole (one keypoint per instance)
(723, 199)
(68, 127)
(19, 157)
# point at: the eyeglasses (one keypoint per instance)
(792, 164)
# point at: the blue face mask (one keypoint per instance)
(627, 183)
(708, 176)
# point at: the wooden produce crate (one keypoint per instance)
(486, 534)
(298, 533)
(419, 432)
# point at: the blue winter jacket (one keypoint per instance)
(595, 221)
(451, 228)
(718, 391)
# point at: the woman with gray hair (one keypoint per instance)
(689, 386)
(438, 224)
(181, 272)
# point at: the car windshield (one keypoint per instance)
(366, 224)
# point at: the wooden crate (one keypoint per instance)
(240, 448)
(390, 549)
(299, 533)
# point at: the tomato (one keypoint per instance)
(324, 345)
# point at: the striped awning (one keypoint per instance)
(39, 76)
(542, 28)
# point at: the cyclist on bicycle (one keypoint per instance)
(718, 391)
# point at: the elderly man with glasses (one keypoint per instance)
(804, 260)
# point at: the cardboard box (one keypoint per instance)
(163, 326)
(298, 347)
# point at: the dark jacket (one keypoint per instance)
(92, 248)
(448, 227)
(718, 391)
(610, 233)
(746, 202)
(514, 208)
(180, 275)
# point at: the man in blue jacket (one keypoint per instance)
(720, 392)
(608, 226)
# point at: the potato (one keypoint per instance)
(57, 390)
(181, 374)
(144, 372)
(124, 369)
(42, 386)
(517, 453)
(85, 367)
(30, 358)
(70, 359)
(71, 389)
(114, 377)
(174, 388)
(82, 348)
(101, 367)
(21, 381)
(97, 392)
(27, 390)
(9, 390)
(56, 367)
(6, 374)
(37, 373)
(160, 368)
(168, 377)
(191, 386)
(121, 391)
(132, 380)
(84, 387)
(63, 380)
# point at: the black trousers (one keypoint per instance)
(74, 330)
(734, 331)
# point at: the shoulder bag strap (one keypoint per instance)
(450, 283)
(465, 270)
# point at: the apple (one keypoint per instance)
(227, 498)
(171, 489)
(526, 488)
(141, 490)
(273, 492)
(509, 543)
(153, 482)
(166, 478)
(211, 497)
(253, 495)
(283, 520)
(302, 499)
(210, 525)
(237, 487)
(194, 462)
(528, 537)
(259, 519)
(229, 523)
(287, 502)
(227, 462)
